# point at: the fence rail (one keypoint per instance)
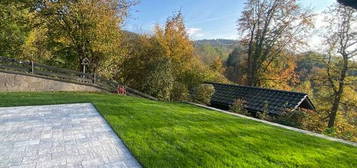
(33, 68)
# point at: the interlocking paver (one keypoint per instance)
(72, 135)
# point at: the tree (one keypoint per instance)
(236, 66)
(14, 27)
(176, 44)
(281, 73)
(342, 48)
(217, 65)
(159, 81)
(307, 64)
(78, 29)
(164, 64)
(143, 51)
(33, 46)
(208, 52)
(268, 28)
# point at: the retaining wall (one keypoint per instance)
(16, 82)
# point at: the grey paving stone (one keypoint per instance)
(72, 135)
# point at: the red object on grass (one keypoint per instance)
(121, 90)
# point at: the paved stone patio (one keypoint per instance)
(72, 135)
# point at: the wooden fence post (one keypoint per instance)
(32, 67)
(94, 78)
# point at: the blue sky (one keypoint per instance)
(204, 19)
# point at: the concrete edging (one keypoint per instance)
(278, 125)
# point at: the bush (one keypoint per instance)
(313, 121)
(287, 117)
(179, 92)
(290, 118)
(203, 93)
(159, 81)
(238, 106)
(265, 114)
(192, 78)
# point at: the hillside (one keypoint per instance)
(161, 134)
(208, 50)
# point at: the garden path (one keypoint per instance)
(71, 135)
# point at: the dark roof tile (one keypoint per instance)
(256, 98)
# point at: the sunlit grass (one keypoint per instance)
(162, 135)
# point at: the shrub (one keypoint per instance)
(203, 93)
(313, 121)
(290, 118)
(179, 92)
(239, 106)
(265, 114)
(297, 118)
(159, 81)
(192, 78)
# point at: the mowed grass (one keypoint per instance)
(165, 135)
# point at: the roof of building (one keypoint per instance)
(258, 99)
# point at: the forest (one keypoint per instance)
(169, 65)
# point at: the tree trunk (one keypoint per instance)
(250, 71)
(338, 94)
(254, 73)
(237, 70)
(250, 59)
(334, 109)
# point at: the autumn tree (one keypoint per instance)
(208, 52)
(164, 64)
(341, 40)
(147, 68)
(217, 65)
(159, 81)
(268, 28)
(175, 43)
(78, 29)
(281, 73)
(14, 26)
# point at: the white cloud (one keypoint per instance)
(195, 32)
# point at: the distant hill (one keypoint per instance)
(218, 42)
(208, 50)
(128, 35)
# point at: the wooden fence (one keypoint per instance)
(66, 75)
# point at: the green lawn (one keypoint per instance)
(164, 135)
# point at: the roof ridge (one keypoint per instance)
(252, 87)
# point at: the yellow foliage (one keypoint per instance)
(171, 44)
(175, 43)
(280, 73)
(84, 29)
(33, 48)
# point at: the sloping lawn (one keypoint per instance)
(164, 135)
